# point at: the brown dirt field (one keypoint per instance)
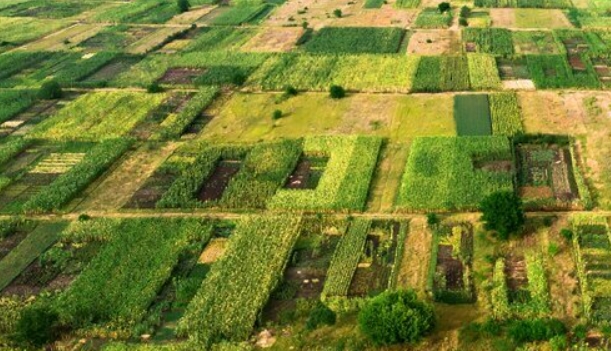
(213, 251)
(74, 35)
(320, 14)
(274, 40)
(502, 17)
(443, 42)
(414, 263)
(191, 16)
(549, 112)
(119, 186)
(519, 84)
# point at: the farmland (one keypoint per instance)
(305, 175)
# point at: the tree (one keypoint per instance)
(503, 213)
(183, 5)
(337, 13)
(396, 317)
(443, 7)
(50, 90)
(154, 88)
(37, 326)
(337, 92)
(276, 115)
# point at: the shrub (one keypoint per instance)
(320, 315)
(443, 7)
(337, 13)
(463, 22)
(503, 213)
(154, 88)
(465, 11)
(567, 234)
(50, 90)
(337, 92)
(37, 326)
(183, 5)
(432, 219)
(535, 330)
(238, 79)
(276, 115)
(395, 317)
(290, 91)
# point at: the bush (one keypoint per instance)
(290, 91)
(432, 219)
(443, 7)
(320, 315)
(154, 88)
(396, 317)
(183, 5)
(463, 22)
(276, 115)
(567, 234)
(37, 326)
(465, 11)
(535, 330)
(503, 213)
(238, 79)
(337, 13)
(337, 92)
(50, 90)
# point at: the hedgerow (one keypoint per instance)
(69, 184)
(239, 284)
(345, 259)
(442, 173)
(505, 114)
(345, 181)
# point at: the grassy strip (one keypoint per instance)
(472, 115)
(37, 242)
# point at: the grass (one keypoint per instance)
(247, 117)
(17, 30)
(472, 115)
(37, 242)
(539, 18)
(431, 18)
(98, 116)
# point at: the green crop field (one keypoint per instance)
(280, 175)
(472, 115)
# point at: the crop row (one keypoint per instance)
(505, 114)
(345, 259)
(356, 40)
(239, 284)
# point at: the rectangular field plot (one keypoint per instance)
(139, 11)
(430, 18)
(450, 270)
(495, 41)
(472, 115)
(274, 40)
(355, 40)
(15, 31)
(534, 42)
(559, 4)
(98, 116)
(454, 173)
(529, 18)
(441, 73)
(221, 38)
(116, 38)
(48, 9)
(42, 178)
(592, 246)
(548, 176)
(237, 15)
(520, 286)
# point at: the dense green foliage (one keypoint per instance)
(447, 173)
(554, 71)
(396, 317)
(442, 73)
(495, 41)
(37, 326)
(345, 259)
(524, 3)
(535, 330)
(345, 181)
(505, 114)
(355, 40)
(483, 72)
(239, 284)
(432, 18)
(50, 90)
(14, 101)
(503, 213)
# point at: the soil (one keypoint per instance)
(152, 190)
(281, 39)
(299, 178)
(494, 166)
(112, 69)
(577, 63)
(10, 242)
(441, 42)
(213, 251)
(536, 192)
(215, 186)
(515, 272)
(451, 267)
(181, 75)
(198, 124)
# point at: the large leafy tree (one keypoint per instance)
(396, 317)
(503, 213)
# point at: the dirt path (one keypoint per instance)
(387, 178)
(117, 189)
(416, 255)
